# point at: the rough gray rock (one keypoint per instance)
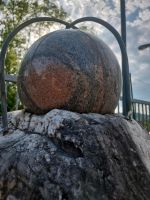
(71, 156)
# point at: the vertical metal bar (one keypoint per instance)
(149, 117)
(134, 110)
(138, 112)
(149, 111)
(132, 103)
(143, 114)
(125, 68)
(123, 21)
(3, 93)
(146, 119)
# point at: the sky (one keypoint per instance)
(138, 33)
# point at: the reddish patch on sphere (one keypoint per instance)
(54, 87)
(70, 70)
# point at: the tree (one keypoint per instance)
(14, 12)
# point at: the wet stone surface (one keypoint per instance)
(71, 70)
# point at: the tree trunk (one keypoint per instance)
(71, 156)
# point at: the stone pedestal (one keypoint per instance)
(69, 156)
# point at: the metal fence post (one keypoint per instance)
(125, 68)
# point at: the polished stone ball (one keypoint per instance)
(71, 70)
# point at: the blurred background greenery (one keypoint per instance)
(13, 13)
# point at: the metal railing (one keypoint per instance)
(140, 111)
(10, 78)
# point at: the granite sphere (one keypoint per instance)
(71, 70)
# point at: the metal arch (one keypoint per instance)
(2, 60)
(125, 67)
(125, 70)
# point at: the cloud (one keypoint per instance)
(138, 32)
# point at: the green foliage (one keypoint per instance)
(147, 125)
(14, 12)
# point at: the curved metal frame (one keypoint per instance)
(125, 67)
(125, 70)
(2, 60)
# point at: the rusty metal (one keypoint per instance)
(126, 90)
